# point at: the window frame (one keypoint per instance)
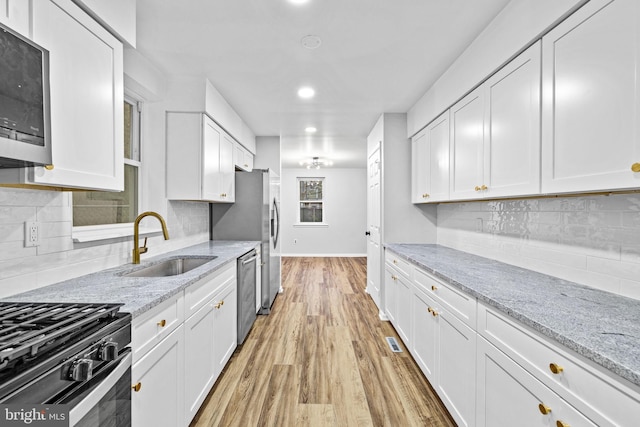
(89, 233)
(299, 222)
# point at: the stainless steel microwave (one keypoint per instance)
(25, 128)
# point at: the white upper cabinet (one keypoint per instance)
(467, 146)
(86, 90)
(495, 134)
(199, 159)
(242, 158)
(430, 162)
(15, 14)
(512, 126)
(591, 97)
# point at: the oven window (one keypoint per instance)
(114, 409)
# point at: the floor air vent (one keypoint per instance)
(394, 345)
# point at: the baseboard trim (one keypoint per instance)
(325, 255)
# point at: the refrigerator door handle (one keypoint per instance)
(276, 219)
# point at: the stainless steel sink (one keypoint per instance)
(171, 267)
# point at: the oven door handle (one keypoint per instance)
(91, 400)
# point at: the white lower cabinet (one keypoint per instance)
(508, 395)
(177, 361)
(490, 370)
(158, 384)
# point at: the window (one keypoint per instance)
(311, 201)
(91, 208)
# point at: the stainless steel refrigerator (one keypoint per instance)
(255, 215)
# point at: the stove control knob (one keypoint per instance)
(81, 370)
(108, 351)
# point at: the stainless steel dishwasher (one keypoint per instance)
(247, 265)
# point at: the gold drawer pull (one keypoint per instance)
(48, 167)
(432, 311)
(395, 261)
(635, 167)
(556, 369)
(562, 424)
(425, 196)
(434, 288)
(477, 188)
(136, 387)
(484, 187)
(220, 304)
(544, 410)
(162, 323)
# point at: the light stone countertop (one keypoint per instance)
(138, 294)
(601, 326)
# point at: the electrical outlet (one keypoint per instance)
(31, 234)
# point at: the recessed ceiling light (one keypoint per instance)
(310, 129)
(306, 92)
(298, 1)
(311, 42)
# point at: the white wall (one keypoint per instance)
(345, 209)
(58, 257)
(268, 153)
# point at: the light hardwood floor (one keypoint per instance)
(321, 359)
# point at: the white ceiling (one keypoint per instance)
(376, 56)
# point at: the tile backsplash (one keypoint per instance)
(593, 240)
(56, 258)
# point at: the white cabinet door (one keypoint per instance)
(227, 169)
(508, 395)
(456, 367)
(16, 14)
(391, 294)
(591, 99)
(199, 368)
(86, 78)
(512, 125)
(211, 174)
(467, 146)
(225, 331)
(403, 310)
(243, 159)
(160, 398)
(420, 167)
(425, 335)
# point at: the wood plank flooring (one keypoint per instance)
(321, 359)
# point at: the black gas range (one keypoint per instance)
(65, 359)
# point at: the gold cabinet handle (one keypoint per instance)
(635, 167)
(395, 261)
(219, 304)
(544, 409)
(484, 187)
(425, 196)
(477, 188)
(48, 167)
(432, 311)
(562, 424)
(136, 387)
(434, 288)
(162, 323)
(246, 165)
(556, 369)
(394, 277)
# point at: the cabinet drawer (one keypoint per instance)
(583, 384)
(456, 301)
(201, 292)
(398, 263)
(153, 326)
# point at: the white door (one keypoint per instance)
(512, 123)
(591, 99)
(374, 251)
(467, 147)
(87, 98)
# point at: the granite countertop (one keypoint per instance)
(138, 294)
(601, 326)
